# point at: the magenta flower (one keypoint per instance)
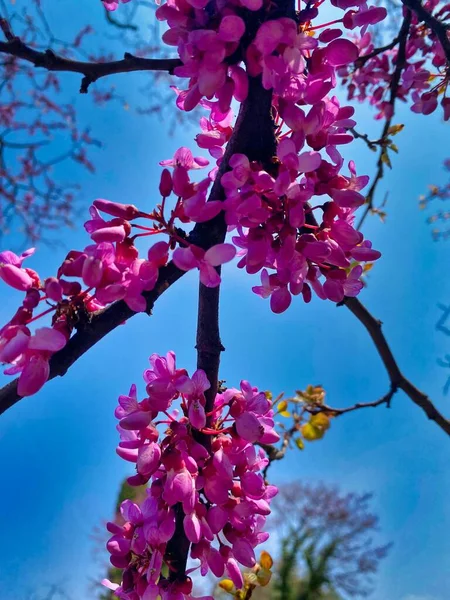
(194, 257)
(184, 158)
(183, 471)
(34, 361)
(13, 274)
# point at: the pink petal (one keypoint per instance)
(208, 211)
(192, 528)
(53, 289)
(309, 161)
(249, 427)
(14, 347)
(234, 571)
(239, 76)
(201, 381)
(253, 484)
(215, 562)
(252, 4)
(244, 553)
(148, 459)
(280, 300)
(208, 275)
(159, 253)
(128, 454)
(48, 339)
(364, 253)
(34, 375)
(118, 545)
(16, 277)
(333, 290)
(220, 254)
(231, 28)
(109, 234)
(348, 198)
(217, 517)
(92, 272)
(106, 582)
(183, 157)
(196, 414)
(184, 259)
(136, 420)
(341, 52)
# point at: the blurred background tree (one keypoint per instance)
(327, 545)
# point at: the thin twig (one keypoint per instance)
(278, 452)
(396, 377)
(394, 85)
(361, 61)
(439, 28)
(336, 412)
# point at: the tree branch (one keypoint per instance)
(396, 377)
(386, 399)
(439, 28)
(254, 136)
(208, 343)
(277, 453)
(91, 332)
(91, 71)
(361, 61)
(394, 85)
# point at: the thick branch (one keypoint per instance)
(439, 28)
(87, 335)
(254, 135)
(397, 379)
(208, 344)
(91, 71)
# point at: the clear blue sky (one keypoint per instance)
(60, 474)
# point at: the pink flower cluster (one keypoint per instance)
(270, 205)
(277, 228)
(205, 464)
(208, 44)
(108, 270)
(276, 225)
(28, 353)
(425, 77)
(211, 46)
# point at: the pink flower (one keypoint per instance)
(231, 28)
(341, 52)
(194, 257)
(179, 469)
(184, 158)
(35, 360)
(13, 274)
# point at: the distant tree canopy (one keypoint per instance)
(327, 545)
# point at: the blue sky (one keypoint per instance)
(60, 472)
